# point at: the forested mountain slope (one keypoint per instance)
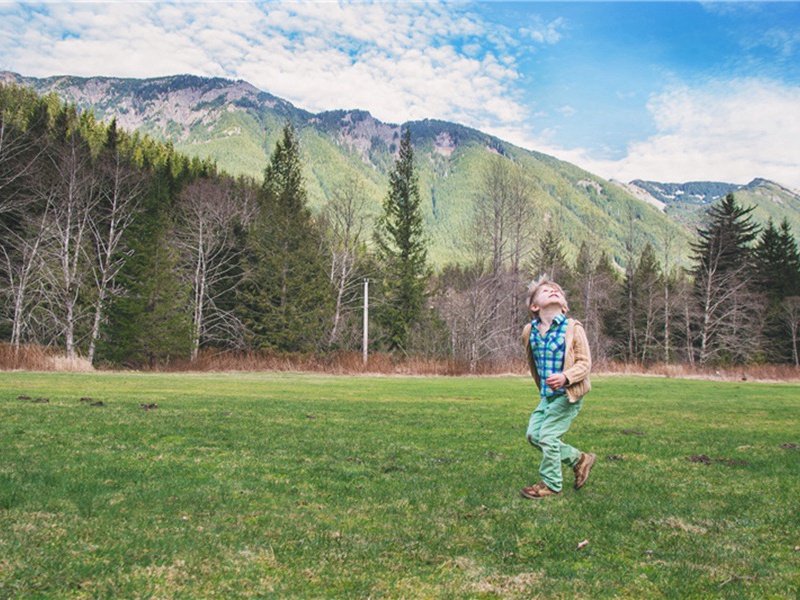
(689, 202)
(237, 126)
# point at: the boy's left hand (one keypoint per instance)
(556, 381)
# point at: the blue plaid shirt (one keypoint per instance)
(549, 351)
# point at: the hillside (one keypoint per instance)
(693, 193)
(688, 202)
(237, 125)
(771, 201)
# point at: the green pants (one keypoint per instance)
(549, 422)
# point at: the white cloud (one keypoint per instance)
(402, 61)
(730, 131)
(399, 60)
(544, 33)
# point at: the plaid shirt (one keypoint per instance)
(549, 351)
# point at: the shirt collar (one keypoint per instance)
(557, 320)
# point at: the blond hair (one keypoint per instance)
(538, 284)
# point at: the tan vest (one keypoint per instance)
(577, 360)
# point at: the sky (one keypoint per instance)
(663, 91)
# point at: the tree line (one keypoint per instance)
(119, 249)
(738, 302)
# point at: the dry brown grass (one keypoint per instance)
(40, 358)
(339, 363)
(350, 363)
(683, 371)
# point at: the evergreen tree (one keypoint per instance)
(581, 293)
(645, 320)
(586, 294)
(602, 323)
(286, 300)
(777, 262)
(402, 250)
(549, 259)
(723, 278)
(148, 324)
(724, 242)
(777, 277)
(788, 242)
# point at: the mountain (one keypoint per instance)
(694, 193)
(688, 202)
(237, 125)
(771, 201)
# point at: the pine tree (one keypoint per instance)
(724, 242)
(402, 250)
(777, 277)
(646, 290)
(789, 244)
(582, 291)
(549, 259)
(602, 323)
(148, 324)
(723, 275)
(121, 188)
(286, 301)
(777, 262)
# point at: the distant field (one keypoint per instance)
(294, 486)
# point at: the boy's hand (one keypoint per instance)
(556, 381)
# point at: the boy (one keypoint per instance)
(560, 361)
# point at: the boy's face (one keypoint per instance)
(548, 295)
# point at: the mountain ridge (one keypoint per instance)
(235, 124)
(689, 201)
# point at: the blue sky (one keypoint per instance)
(670, 91)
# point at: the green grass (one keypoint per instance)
(313, 486)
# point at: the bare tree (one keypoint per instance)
(791, 314)
(632, 242)
(584, 286)
(595, 290)
(522, 198)
(21, 251)
(343, 222)
(668, 245)
(689, 317)
(71, 196)
(647, 297)
(722, 304)
(503, 240)
(21, 148)
(208, 214)
(492, 213)
(466, 306)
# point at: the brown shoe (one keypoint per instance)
(583, 468)
(538, 490)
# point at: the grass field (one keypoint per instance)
(305, 486)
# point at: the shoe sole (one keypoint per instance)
(530, 496)
(590, 458)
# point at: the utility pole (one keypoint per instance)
(365, 343)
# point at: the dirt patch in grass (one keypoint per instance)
(505, 585)
(680, 525)
(707, 460)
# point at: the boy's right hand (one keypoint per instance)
(556, 381)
